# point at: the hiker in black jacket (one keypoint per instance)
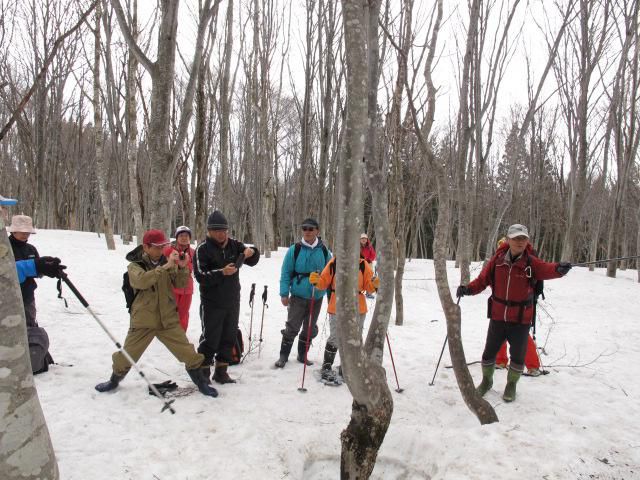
(20, 230)
(215, 270)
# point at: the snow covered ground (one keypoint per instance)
(582, 421)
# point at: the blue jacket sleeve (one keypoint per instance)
(285, 273)
(26, 269)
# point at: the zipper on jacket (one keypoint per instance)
(506, 298)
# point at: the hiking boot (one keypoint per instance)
(285, 350)
(201, 382)
(111, 384)
(509, 394)
(302, 350)
(206, 373)
(329, 357)
(487, 379)
(534, 372)
(220, 374)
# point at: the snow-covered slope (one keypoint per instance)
(582, 420)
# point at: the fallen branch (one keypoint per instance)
(582, 364)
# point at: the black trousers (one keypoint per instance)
(515, 333)
(219, 330)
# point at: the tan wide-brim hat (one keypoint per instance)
(21, 223)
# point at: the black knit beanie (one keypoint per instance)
(217, 221)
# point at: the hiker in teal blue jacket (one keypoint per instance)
(306, 256)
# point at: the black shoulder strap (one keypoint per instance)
(325, 250)
(332, 269)
(296, 251)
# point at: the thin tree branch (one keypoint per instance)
(43, 70)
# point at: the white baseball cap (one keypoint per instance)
(517, 230)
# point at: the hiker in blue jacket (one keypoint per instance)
(302, 300)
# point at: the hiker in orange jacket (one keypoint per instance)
(326, 280)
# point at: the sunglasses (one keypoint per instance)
(308, 229)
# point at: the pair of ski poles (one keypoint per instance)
(306, 349)
(264, 305)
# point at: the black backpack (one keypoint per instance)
(130, 293)
(39, 349)
(332, 270)
(237, 350)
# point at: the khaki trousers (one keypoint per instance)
(174, 338)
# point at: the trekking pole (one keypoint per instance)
(399, 390)
(251, 295)
(85, 304)
(264, 304)
(306, 347)
(446, 337)
(440, 358)
(606, 260)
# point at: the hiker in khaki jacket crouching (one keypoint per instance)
(154, 313)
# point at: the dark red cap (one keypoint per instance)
(155, 237)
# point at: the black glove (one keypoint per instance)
(563, 268)
(49, 266)
(462, 291)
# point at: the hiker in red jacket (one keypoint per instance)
(368, 253)
(184, 295)
(510, 273)
(531, 359)
(366, 249)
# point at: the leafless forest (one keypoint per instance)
(430, 126)
(240, 105)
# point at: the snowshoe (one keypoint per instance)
(164, 387)
(331, 377)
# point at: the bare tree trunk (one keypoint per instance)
(267, 32)
(101, 170)
(327, 9)
(225, 114)
(26, 452)
(480, 407)
(625, 127)
(135, 196)
(638, 242)
(163, 155)
(590, 50)
(306, 119)
(365, 377)
(465, 205)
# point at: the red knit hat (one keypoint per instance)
(156, 238)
